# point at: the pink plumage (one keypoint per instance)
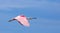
(22, 20)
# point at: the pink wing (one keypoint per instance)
(22, 20)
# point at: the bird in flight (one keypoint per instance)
(23, 20)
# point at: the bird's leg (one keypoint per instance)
(31, 18)
(34, 18)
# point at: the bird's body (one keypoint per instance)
(23, 20)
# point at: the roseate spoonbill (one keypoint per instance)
(23, 20)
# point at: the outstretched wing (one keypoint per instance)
(22, 20)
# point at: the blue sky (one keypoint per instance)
(47, 12)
